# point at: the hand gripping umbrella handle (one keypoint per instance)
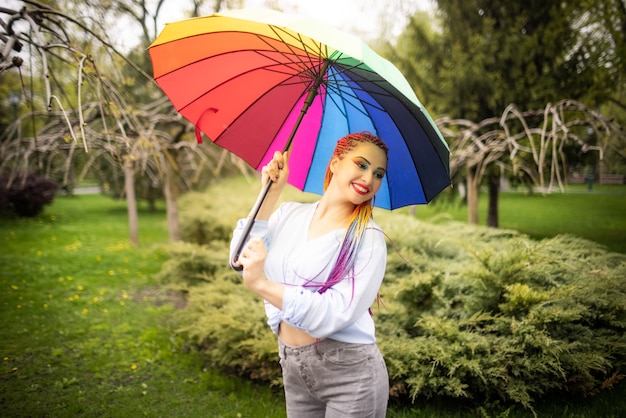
(249, 224)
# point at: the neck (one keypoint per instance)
(333, 211)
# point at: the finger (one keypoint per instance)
(285, 159)
(255, 244)
(281, 161)
(257, 250)
(268, 172)
(278, 158)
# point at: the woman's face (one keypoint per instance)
(359, 173)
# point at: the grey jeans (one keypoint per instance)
(332, 379)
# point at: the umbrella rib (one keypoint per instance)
(285, 34)
(309, 65)
(346, 70)
(298, 64)
(306, 65)
(336, 87)
(301, 63)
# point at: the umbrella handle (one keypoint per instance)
(249, 224)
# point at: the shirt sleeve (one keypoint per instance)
(322, 315)
(262, 229)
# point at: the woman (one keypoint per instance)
(319, 267)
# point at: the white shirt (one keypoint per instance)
(303, 265)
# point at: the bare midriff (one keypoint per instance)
(293, 336)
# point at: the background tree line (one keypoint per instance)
(476, 59)
(89, 108)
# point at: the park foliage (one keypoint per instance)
(467, 311)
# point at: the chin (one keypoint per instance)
(360, 199)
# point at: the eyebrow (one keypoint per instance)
(368, 161)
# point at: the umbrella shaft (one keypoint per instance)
(257, 205)
(249, 224)
(307, 103)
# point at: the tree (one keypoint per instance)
(483, 56)
(605, 44)
(530, 144)
(114, 110)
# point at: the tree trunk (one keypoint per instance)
(171, 192)
(492, 209)
(131, 200)
(472, 197)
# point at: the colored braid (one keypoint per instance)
(344, 266)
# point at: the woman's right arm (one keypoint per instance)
(277, 171)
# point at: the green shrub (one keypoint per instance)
(222, 317)
(190, 264)
(203, 227)
(228, 323)
(468, 312)
(489, 314)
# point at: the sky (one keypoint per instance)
(361, 18)
(358, 17)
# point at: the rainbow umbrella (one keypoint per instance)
(259, 81)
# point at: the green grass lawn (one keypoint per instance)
(599, 215)
(87, 329)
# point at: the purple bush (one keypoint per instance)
(26, 197)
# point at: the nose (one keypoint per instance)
(368, 177)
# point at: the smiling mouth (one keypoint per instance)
(362, 190)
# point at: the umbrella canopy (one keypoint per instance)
(259, 81)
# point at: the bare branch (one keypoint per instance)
(512, 141)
